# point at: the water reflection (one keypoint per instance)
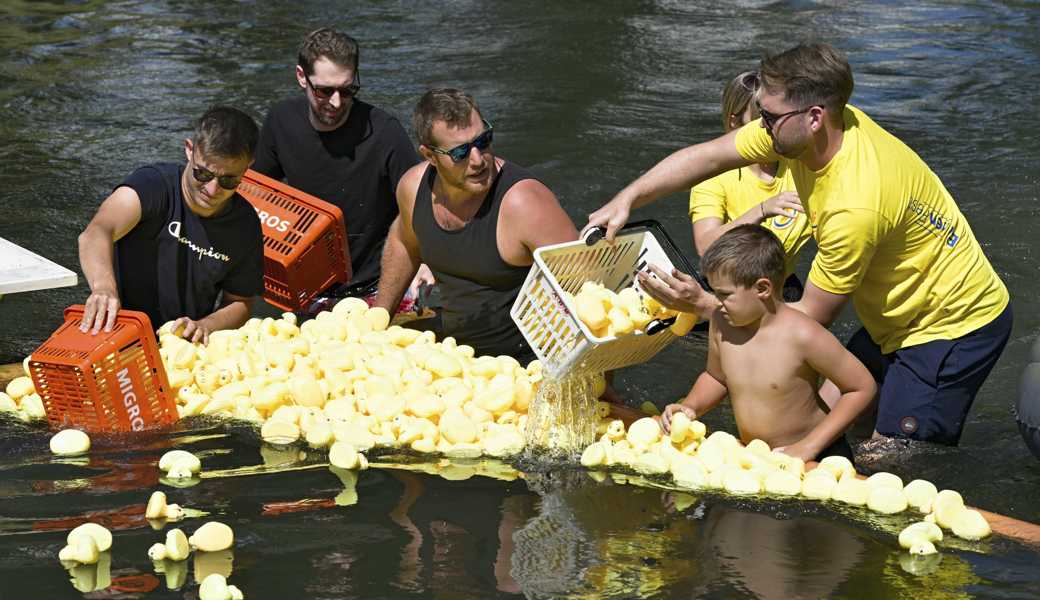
(780, 558)
(446, 538)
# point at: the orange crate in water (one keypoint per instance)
(305, 241)
(111, 381)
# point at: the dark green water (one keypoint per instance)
(588, 95)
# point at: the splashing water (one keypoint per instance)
(561, 419)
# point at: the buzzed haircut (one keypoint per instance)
(809, 75)
(326, 42)
(226, 132)
(746, 254)
(453, 106)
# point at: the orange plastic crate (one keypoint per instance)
(111, 381)
(305, 241)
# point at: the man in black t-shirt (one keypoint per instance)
(332, 145)
(178, 243)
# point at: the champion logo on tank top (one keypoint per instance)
(174, 229)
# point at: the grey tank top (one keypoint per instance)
(477, 287)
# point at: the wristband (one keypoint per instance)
(762, 205)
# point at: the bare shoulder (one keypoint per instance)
(408, 186)
(804, 331)
(529, 194)
(535, 215)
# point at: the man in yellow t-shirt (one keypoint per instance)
(935, 315)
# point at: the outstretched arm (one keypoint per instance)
(678, 172)
(829, 358)
(706, 393)
(118, 214)
(232, 314)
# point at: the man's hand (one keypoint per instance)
(677, 291)
(671, 409)
(100, 309)
(193, 331)
(424, 276)
(613, 215)
(784, 204)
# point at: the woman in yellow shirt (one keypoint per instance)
(757, 194)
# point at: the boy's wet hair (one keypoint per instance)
(808, 75)
(326, 42)
(453, 106)
(746, 254)
(226, 132)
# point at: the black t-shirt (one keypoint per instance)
(174, 263)
(356, 167)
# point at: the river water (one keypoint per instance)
(588, 95)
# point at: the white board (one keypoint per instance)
(25, 271)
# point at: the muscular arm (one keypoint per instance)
(531, 217)
(822, 306)
(118, 214)
(679, 171)
(829, 358)
(401, 256)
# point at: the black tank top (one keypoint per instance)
(477, 287)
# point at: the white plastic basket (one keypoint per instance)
(549, 322)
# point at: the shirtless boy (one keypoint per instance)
(769, 358)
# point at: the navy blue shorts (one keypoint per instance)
(925, 391)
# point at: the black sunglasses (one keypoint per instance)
(228, 182)
(460, 152)
(325, 92)
(771, 119)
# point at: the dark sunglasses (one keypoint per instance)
(228, 182)
(325, 92)
(460, 152)
(771, 119)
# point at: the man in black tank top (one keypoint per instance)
(475, 219)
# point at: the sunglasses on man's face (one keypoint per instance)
(228, 182)
(324, 92)
(771, 119)
(460, 152)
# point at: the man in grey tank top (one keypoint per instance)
(475, 219)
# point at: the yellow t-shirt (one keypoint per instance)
(891, 236)
(733, 193)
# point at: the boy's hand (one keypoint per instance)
(671, 409)
(798, 450)
(678, 290)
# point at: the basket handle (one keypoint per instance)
(595, 234)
